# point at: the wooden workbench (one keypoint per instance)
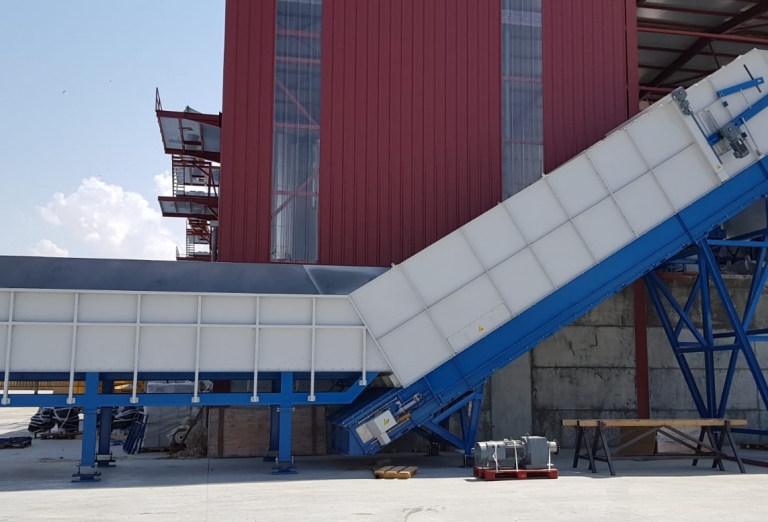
(641, 428)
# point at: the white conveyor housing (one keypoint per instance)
(71, 331)
(444, 299)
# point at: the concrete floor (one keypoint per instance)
(35, 486)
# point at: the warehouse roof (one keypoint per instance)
(682, 41)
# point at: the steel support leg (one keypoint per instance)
(738, 327)
(284, 461)
(470, 435)
(104, 457)
(86, 470)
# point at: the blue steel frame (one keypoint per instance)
(469, 409)
(710, 275)
(467, 371)
(97, 425)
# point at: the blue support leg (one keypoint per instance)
(709, 355)
(738, 326)
(470, 435)
(86, 470)
(104, 457)
(284, 461)
(653, 283)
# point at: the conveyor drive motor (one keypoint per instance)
(526, 453)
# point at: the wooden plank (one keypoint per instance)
(395, 472)
(651, 423)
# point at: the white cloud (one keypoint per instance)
(113, 222)
(47, 248)
(163, 185)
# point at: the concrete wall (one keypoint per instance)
(588, 370)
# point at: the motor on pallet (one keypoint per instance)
(527, 453)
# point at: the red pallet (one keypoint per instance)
(504, 474)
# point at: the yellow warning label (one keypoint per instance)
(386, 421)
(480, 329)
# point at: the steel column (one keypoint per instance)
(284, 461)
(739, 330)
(710, 274)
(86, 470)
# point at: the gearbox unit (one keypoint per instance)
(526, 453)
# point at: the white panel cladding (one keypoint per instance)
(440, 270)
(285, 310)
(536, 211)
(578, 185)
(522, 281)
(686, 177)
(55, 306)
(45, 349)
(644, 203)
(5, 305)
(661, 134)
(494, 236)
(166, 308)
(165, 348)
(106, 308)
(337, 350)
(336, 311)
(416, 348)
(618, 160)
(280, 349)
(106, 338)
(604, 229)
(479, 328)
(228, 309)
(563, 254)
(105, 348)
(374, 358)
(466, 305)
(226, 349)
(387, 302)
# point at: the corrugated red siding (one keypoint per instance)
(247, 122)
(411, 125)
(590, 73)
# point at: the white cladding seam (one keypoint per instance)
(477, 278)
(76, 331)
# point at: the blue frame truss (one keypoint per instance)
(96, 408)
(469, 409)
(709, 287)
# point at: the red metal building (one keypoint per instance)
(357, 132)
(432, 112)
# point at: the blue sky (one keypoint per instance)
(82, 159)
